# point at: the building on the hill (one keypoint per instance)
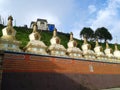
(25, 26)
(43, 25)
(51, 27)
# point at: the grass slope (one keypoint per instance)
(23, 36)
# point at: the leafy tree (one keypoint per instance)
(87, 32)
(103, 34)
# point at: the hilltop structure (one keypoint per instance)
(43, 25)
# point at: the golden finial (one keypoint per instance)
(71, 36)
(34, 27)
(35, 24)
(107, 45)
(55, 33)
(85, 40)
(10, 19)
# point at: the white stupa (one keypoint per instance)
(99, 51)
(8, 41)
(35, 46)
(108, 51)
(87, 52)
(116, 52)
(72, 50)
(56, 48)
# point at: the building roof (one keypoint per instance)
(51, 24)
(41, 20)
(32, 22)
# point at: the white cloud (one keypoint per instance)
(109, 18)
(91, 8)
(25, 11)
(53, 19)
(2, 2)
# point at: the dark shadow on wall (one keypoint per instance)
(39, 81)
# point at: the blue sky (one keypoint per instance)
(67, 15)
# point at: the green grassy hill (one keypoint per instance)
(23, 36)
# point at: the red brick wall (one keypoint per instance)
(30, 63)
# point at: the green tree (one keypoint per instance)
(87, 32)
(103, 34)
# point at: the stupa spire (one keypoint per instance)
(116, 48)
(85, 40)
(97, 44)
(55, 33)
(71, 36)
(34, 35)
(107, 45)
(34, 27)
(10, 19)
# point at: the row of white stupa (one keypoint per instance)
(8, 42)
